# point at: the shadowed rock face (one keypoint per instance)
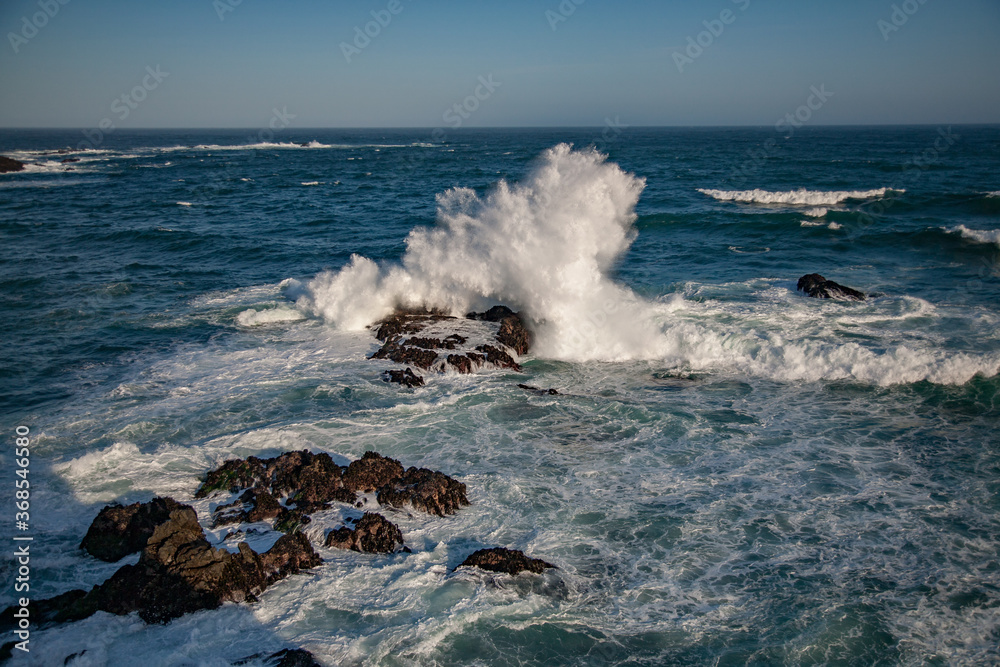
(509, 561)
(372, 534)
(122, 530)
(406, 354)
(819, 287)
(427, 490)
(9, 164)
(180, 572)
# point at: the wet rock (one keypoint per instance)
(494, 314)
(405, 354)
(427, 490)
(536, 390)
(180, 572)
(122, 530)
(289, 657)
(510, 561)
(406, 377)
(513, 332)
(371, 472)
(309, 481)
(253, 506)
(8, 164)
(498, 357)
(69, 159)
(819, 287)
(406, 322)
(372, 534)
(461, 363)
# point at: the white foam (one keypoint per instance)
(978, 235)
(801, 197)
(184, 203)
(246, 147)
(253, 317)
(993, 194)
(816, 212)
(310, 183)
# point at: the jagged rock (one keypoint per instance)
(372, 534)
(406, 322)
(819, 287)
(371, 472)
(512, 332)
(289, 657)
(500, 559)
(310, 481)
(494, 314)
(122, 530)
(406, 377)
(498, 357)
(404, 354)
(427, 490)
(536, 390)
(180, 572)
(460, 363)
(8, 164)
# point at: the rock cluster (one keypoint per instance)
(819, 287)
(372, 534)
(402, 345)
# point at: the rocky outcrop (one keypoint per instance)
(8, 164)
(536, 390)
(402, 345)
(426, 490)
(371, 472)
(373, 534)
(817, 286)
(180, 572)
(510, 561)
(122, 530)
(405, 377)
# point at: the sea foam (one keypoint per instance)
(978, 235)
(800, 197)
(547, 247)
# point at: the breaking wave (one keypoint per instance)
(800, 197)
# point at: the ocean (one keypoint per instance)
(732, 473)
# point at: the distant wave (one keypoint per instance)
(247, 147)
(800, 197)
(993, 194)
(978, 235)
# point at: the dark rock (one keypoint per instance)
(494, 314)
(371, 472)
(122, 530)
(406, 322)
(310, 481)
(536, 390)
(403, 354)
(819, 287)
(8, 164)
(510, 561)
(289, 521)
(373, 534)
(514, 334)
(427, 490)
(289, 657)
(498, 357)
(69, 159)
(407, 378)
(180, 572)
(461, 363)
(449, 343)
(253, 506)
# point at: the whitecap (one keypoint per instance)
(801, 197)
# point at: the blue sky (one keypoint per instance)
(938, 62)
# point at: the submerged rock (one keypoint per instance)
(122, 530)
(373, 534)
(180, 572)
(510, 561)
(819, 287)
(9, 164)
(536, 390)
(289, 657)
(405, 377)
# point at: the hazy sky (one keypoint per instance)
(231, 63)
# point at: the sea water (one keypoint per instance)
(732, 473)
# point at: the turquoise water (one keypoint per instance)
(733, 474)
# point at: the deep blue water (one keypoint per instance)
(781, 481)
